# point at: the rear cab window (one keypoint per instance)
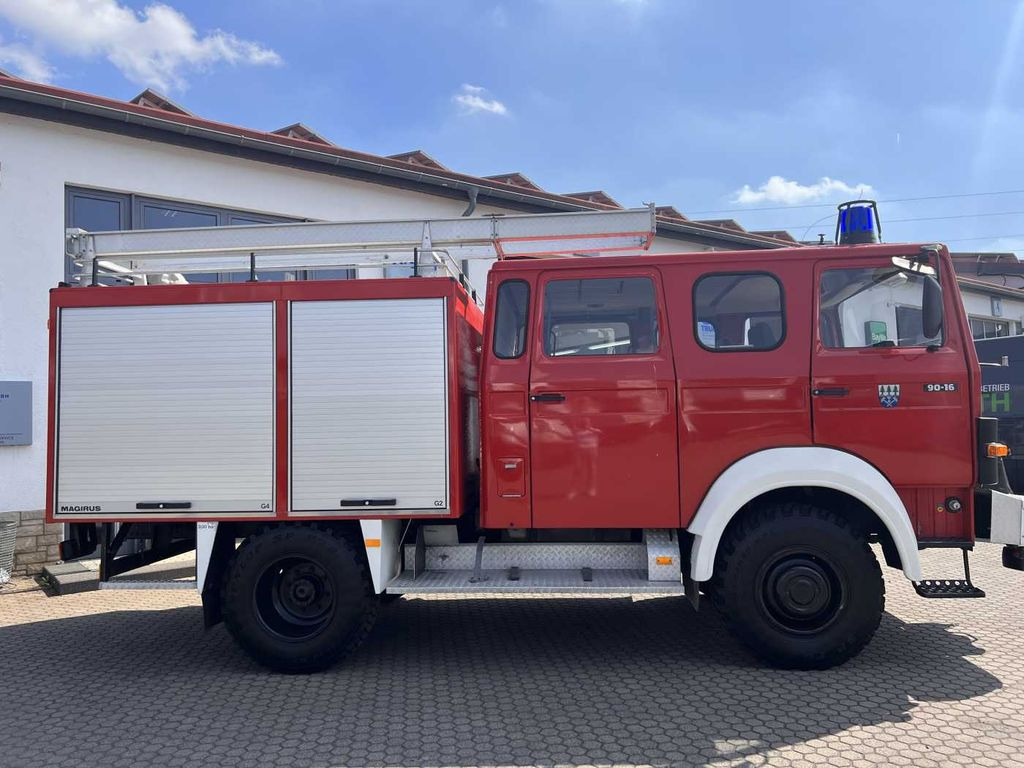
(600, 316)
(738, 312)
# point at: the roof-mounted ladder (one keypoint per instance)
(429, 246)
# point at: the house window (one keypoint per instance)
(98, 211)
(156, 215)
(984, 328)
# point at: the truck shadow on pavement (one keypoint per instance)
(456, 682)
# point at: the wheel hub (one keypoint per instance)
(294, 598)
(801, 592)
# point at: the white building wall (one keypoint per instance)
(979, 304)
(39, 158)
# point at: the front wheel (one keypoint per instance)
(798, 586)
(298, 598)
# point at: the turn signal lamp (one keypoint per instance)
(997, 450)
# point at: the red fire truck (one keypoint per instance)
(739, 426)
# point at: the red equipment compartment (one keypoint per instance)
(458, 349)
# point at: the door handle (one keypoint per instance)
(547, 397)
(830, 392)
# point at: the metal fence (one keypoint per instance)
(8, 534)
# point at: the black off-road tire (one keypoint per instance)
(798, 585)
(298, 598)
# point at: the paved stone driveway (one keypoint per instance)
(129, 678)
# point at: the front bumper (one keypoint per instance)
(1013, 557)
(1007, 527)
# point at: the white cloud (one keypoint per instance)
(473, 98)
(154, 47)
(779, 189)
(24, 62)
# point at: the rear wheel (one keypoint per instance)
(799, 586)
(298, 598)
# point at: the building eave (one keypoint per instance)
(982, 286)
(114, 114)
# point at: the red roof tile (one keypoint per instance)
(598, 197)
(515, 179)
(156, 100)
(418, 157)
(778, 234)
(722, 224)
(304, 132)
(669, 212)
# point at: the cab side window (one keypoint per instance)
(510, 319)
(738, 312)
(872, 307)
(600, 316)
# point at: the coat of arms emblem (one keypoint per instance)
(889, 395)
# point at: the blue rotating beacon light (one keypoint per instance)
(858, 223)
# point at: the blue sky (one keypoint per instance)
(685, 103)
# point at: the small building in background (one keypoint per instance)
(992, 285)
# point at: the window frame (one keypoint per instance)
(140, 203)
(526, 320)
(742, 273)
(131, 214)
(659, 316)
(123, 201)
(995, 321)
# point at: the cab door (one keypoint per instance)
(883, 390)
(602, 403)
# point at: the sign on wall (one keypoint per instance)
(15, 413)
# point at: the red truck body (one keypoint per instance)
(735, 425)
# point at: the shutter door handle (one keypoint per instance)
(548, 397)
(830, 392)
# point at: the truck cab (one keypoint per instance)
(616, 394)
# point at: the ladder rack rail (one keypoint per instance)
(425, 244)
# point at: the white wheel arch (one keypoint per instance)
(381, 539)
(777, 468)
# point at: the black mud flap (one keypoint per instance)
(220, 561)
(1013, 557)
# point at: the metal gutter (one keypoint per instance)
(189, 126)
(977, 286)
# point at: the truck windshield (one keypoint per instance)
(872, 307)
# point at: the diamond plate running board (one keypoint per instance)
(567, 582)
